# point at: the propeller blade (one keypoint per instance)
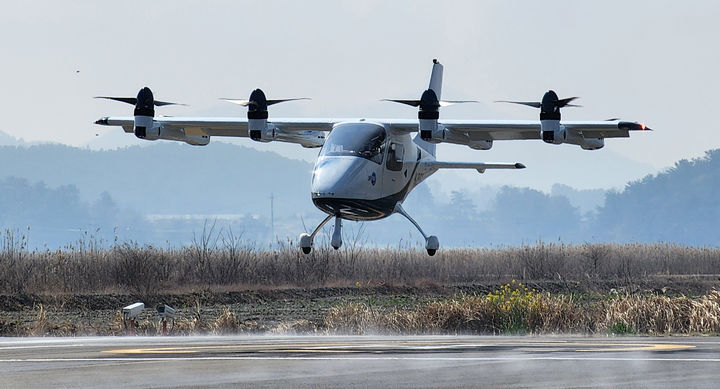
(412, 103)
(246, 102)
(533, 104)
(566, 102)
(163, 103)
(612, 119)
(447, 103)
(133, 100)
(128, 100)
(276, 101)
(416, 103)
(243, 102)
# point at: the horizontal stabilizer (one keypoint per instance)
(479, 166)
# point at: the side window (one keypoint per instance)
(395, 157)
(377, 150)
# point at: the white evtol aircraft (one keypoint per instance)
(367, 167)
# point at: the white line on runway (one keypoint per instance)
(500, 359)
(40, 346)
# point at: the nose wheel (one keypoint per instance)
(336, 241)
(305, 241)
(432, 244)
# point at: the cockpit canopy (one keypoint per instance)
(365, 140)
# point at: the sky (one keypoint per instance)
(649, 61)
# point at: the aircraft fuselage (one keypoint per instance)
(364, 170)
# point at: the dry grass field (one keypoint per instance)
(222, 285)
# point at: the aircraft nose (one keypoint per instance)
(340, 177)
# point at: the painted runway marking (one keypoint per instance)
(406, 347)
(638, 347)
(378, 358)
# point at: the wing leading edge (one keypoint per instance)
(311, 132)
(306, 132)
(479, 134)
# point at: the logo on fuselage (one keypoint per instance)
(372, 178)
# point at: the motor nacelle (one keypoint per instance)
(428, 115)
(550, 128)
(553, 132)
(554, 137)
(592, 143)
(197, 140)
(437, 135)
(257, 117)
(480, 144)
(144, 125)
(263, 134)
(308, 139)
(155, 131)
(146, 128)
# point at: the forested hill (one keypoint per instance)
(164, 193)
(169, 178)
(681, 204)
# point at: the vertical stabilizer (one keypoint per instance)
(436, 78)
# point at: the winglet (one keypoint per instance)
(632, 126)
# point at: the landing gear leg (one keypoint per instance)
(306, 240)
(431, 242)
(336, 241)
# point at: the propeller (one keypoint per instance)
(246, 103)
(257, 114)
(549, 106)
(441, 103)
(258, 103)
(134, 100)
(145, 96)
(429, 104)
(144, 126)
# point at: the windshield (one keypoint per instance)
(358, 140)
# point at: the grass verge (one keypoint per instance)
(515, 309)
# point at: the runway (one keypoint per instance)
(359, 361)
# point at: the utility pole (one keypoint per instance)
(272, 218)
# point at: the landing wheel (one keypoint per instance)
(336, 241)
(431, 242)
(432, 245)
(305, 242)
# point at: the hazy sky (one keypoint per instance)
(651, 61)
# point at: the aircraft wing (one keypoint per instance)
(221, 126)
(525, 129)
(306, 132)
(310, 132)
(480, 134)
